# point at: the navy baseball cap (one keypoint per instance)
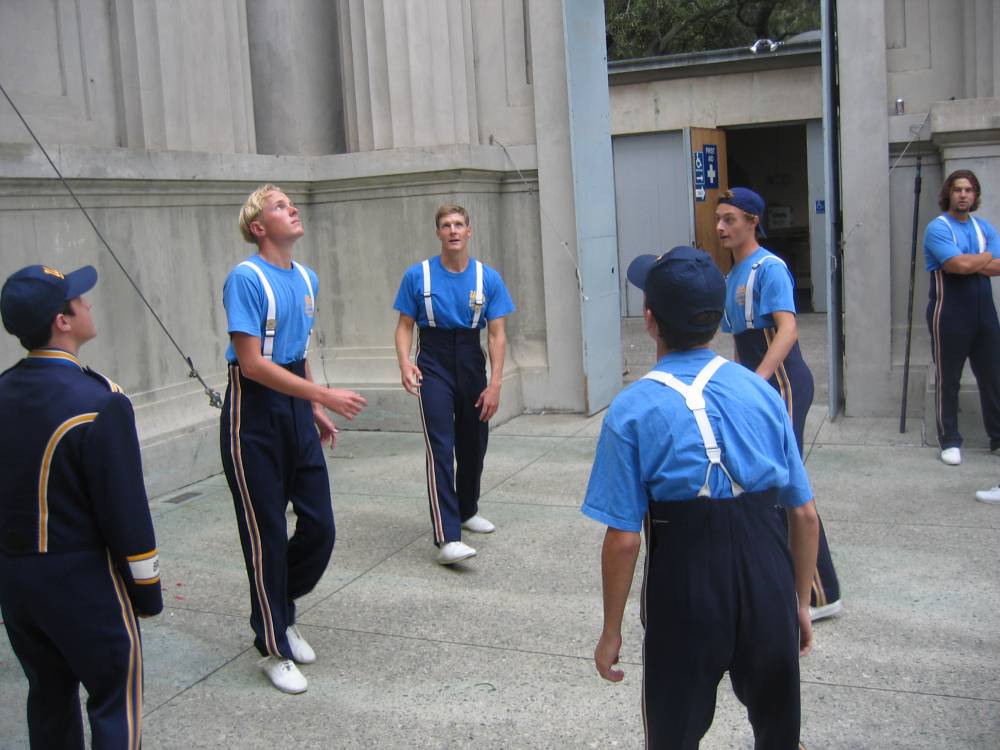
(684, 288)
(33, 296)
(748, 201)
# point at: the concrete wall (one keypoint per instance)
(715, 101)
(160, 115)
(178, 238)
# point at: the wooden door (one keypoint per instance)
(709, 177)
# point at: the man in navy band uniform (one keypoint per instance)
(452, 297)
(697, 453)
(271, 450)
(963, 255)
(78, 557)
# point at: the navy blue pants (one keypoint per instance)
(718, 596)
(963, 323)
(272, 456)
(69, 621)
(794, 382)
(453, 366)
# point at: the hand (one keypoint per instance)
(489, 402)
(327, 429)
(606, 656)
(410, 376)
(343, 402)
(805, 632)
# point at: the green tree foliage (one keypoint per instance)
(650, 28)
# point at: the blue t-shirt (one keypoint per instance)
(950, 238)
(773, 291)
(246, 308)
(452, 295)
(650, 446)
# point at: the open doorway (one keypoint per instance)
(774, 162)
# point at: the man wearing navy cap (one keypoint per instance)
(78, 557)
(760, 313)
(697, 453)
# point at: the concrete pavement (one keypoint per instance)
(496, 652)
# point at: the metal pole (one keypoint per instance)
(909, 307)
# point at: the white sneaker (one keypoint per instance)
(478, 524)
(302, 652)
(283, 674)
(951, 456)
(827, 610)
(452, 552)
(989, 496)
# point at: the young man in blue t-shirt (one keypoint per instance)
(960, 253)
(698, 453)
(452, 297)
(273, 426)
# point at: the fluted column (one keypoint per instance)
(295, 64)
(408, 71)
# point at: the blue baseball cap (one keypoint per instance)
(748, 201)
(684, 288)
(33, 296)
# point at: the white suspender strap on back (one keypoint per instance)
(312, 296)
(980, 237)
(748, 299)
(478, 302)
(271, 322)
(428, 306)
(695, 400)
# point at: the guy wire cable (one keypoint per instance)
(214, 399)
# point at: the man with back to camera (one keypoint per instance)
(271, 450)
(697, 454)
(452, 297)
(78, 558)
(959, 250)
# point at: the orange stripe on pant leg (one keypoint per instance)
(781, 375)
(432, 492)
(256, 544)
(936, 334)
(133, 686)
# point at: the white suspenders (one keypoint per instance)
(271, 325)
(980, 237)
(695, 401)
(748, 299)
(429, 306)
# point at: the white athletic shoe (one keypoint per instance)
(951, 456)
(452, 552)
(989, 496)
(478, 524)
(302, 652)
(283, 674)
(827, 610)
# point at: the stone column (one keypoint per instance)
(981, 49)
(409, 73)
(864, 133)
(295, 65)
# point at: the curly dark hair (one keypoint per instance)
(944, 199)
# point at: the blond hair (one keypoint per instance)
(252, 208)
(450, 208)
